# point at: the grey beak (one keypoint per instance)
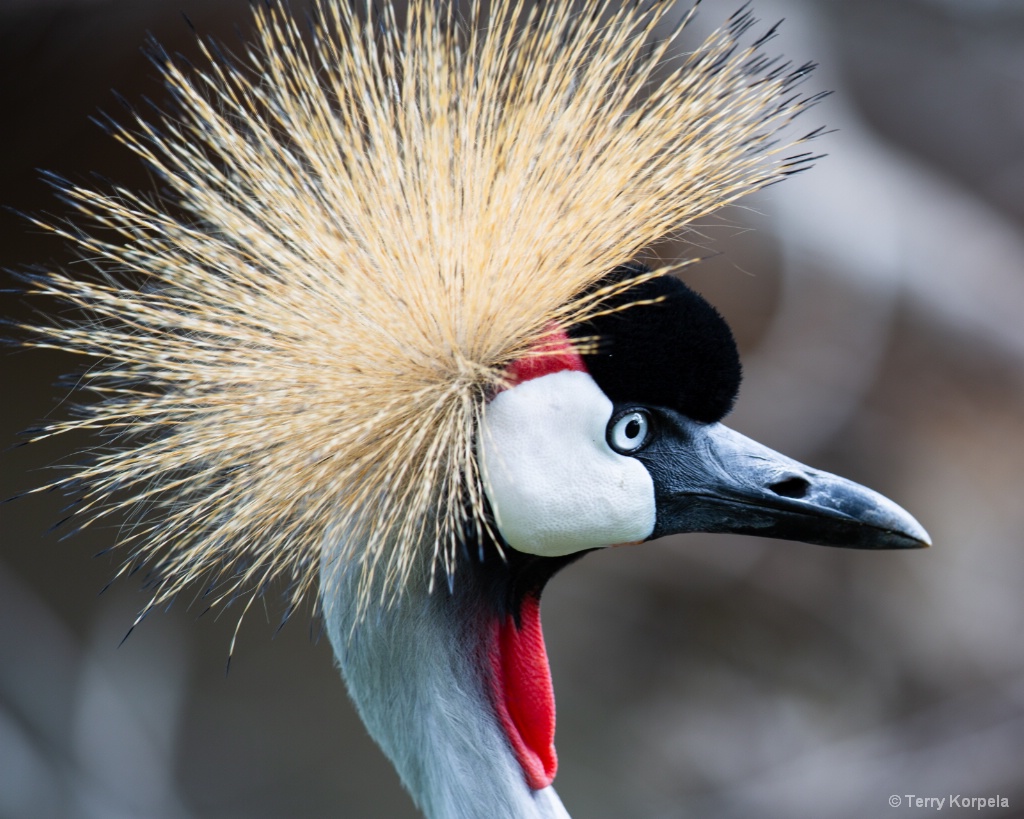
(708, 478)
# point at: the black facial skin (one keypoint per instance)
(504, 579)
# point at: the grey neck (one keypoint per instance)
(417, 674)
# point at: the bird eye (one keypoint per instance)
(629, 431)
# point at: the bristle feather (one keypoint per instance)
(362, 228)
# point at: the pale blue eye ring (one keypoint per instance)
(629, 431)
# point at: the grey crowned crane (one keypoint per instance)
(380, 334)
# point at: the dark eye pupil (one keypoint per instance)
(633, 428)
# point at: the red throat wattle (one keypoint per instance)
(524, 699)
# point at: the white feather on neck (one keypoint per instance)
(415, 671)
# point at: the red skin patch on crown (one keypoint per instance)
(524, 699)
(554, 354)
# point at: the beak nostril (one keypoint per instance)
(794, 487)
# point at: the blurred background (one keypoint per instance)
(879, 304)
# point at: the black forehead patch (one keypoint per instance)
(678, 353)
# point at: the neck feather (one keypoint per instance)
(422, 675)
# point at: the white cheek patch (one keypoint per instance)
(554, 484)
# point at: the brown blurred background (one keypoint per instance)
(879, 302)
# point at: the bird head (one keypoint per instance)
(626, 443)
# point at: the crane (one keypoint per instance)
(384, 334)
